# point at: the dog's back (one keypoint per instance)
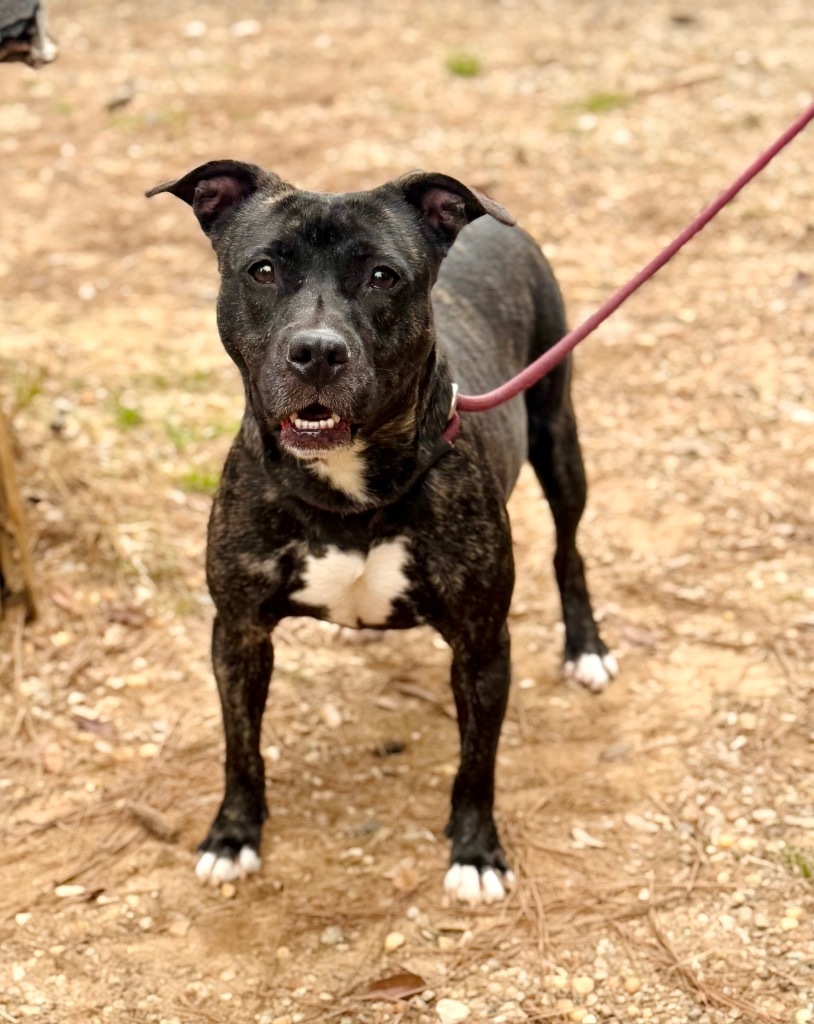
(497, 307)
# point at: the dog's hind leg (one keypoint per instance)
(556, 457)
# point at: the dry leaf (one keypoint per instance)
(405, 879)
(396, 986)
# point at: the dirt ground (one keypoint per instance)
(663, 832)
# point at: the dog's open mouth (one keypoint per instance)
(313, 429)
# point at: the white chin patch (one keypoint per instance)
(593, 671)
(217, 870)
(465, 883)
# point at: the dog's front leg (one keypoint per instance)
(242, 657)
(481, 672)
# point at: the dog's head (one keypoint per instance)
(325, 299)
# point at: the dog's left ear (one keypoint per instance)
(446, 206)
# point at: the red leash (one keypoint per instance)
(540, 367)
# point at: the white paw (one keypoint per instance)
(593, 671)
(465, 883)
(217, 870)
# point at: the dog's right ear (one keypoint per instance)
(217, 188)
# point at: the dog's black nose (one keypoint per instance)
(318, 355)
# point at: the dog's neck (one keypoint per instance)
(382, 464)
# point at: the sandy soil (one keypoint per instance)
(664, 832)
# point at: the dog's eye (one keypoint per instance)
(263, 272)
(383, 278)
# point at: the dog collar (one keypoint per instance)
(442, 447)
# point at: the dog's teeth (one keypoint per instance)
(331, 420)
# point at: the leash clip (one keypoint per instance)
(453, 405)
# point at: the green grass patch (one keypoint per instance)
(182, 435)
(127, 415)
(602, 102)
(199, 481)
(800, 862)
(463, 64)
(185, 435)
(27, 383)
(187, 380)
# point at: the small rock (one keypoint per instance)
(65, 892)
(331, 716)
(640, 824)
(804, 1016)
(794, 912)
(451, 1010)
(748, 844)
(556, 981)
(394, 941)
(789, 923)
(22, 918)
(761, 921)
(583, 839)
(764, 815)
(582, 986)
(283, 953)
(801, 820)
(53, 759)
(247, 27)
(632, 985)
(179, 928)
(228, 891)
(725, 841)
(331, 936)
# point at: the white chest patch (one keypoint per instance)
(357, 590)
(344, 469)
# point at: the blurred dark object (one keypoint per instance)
(24, 33)
(16, 573)
(23, 37)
